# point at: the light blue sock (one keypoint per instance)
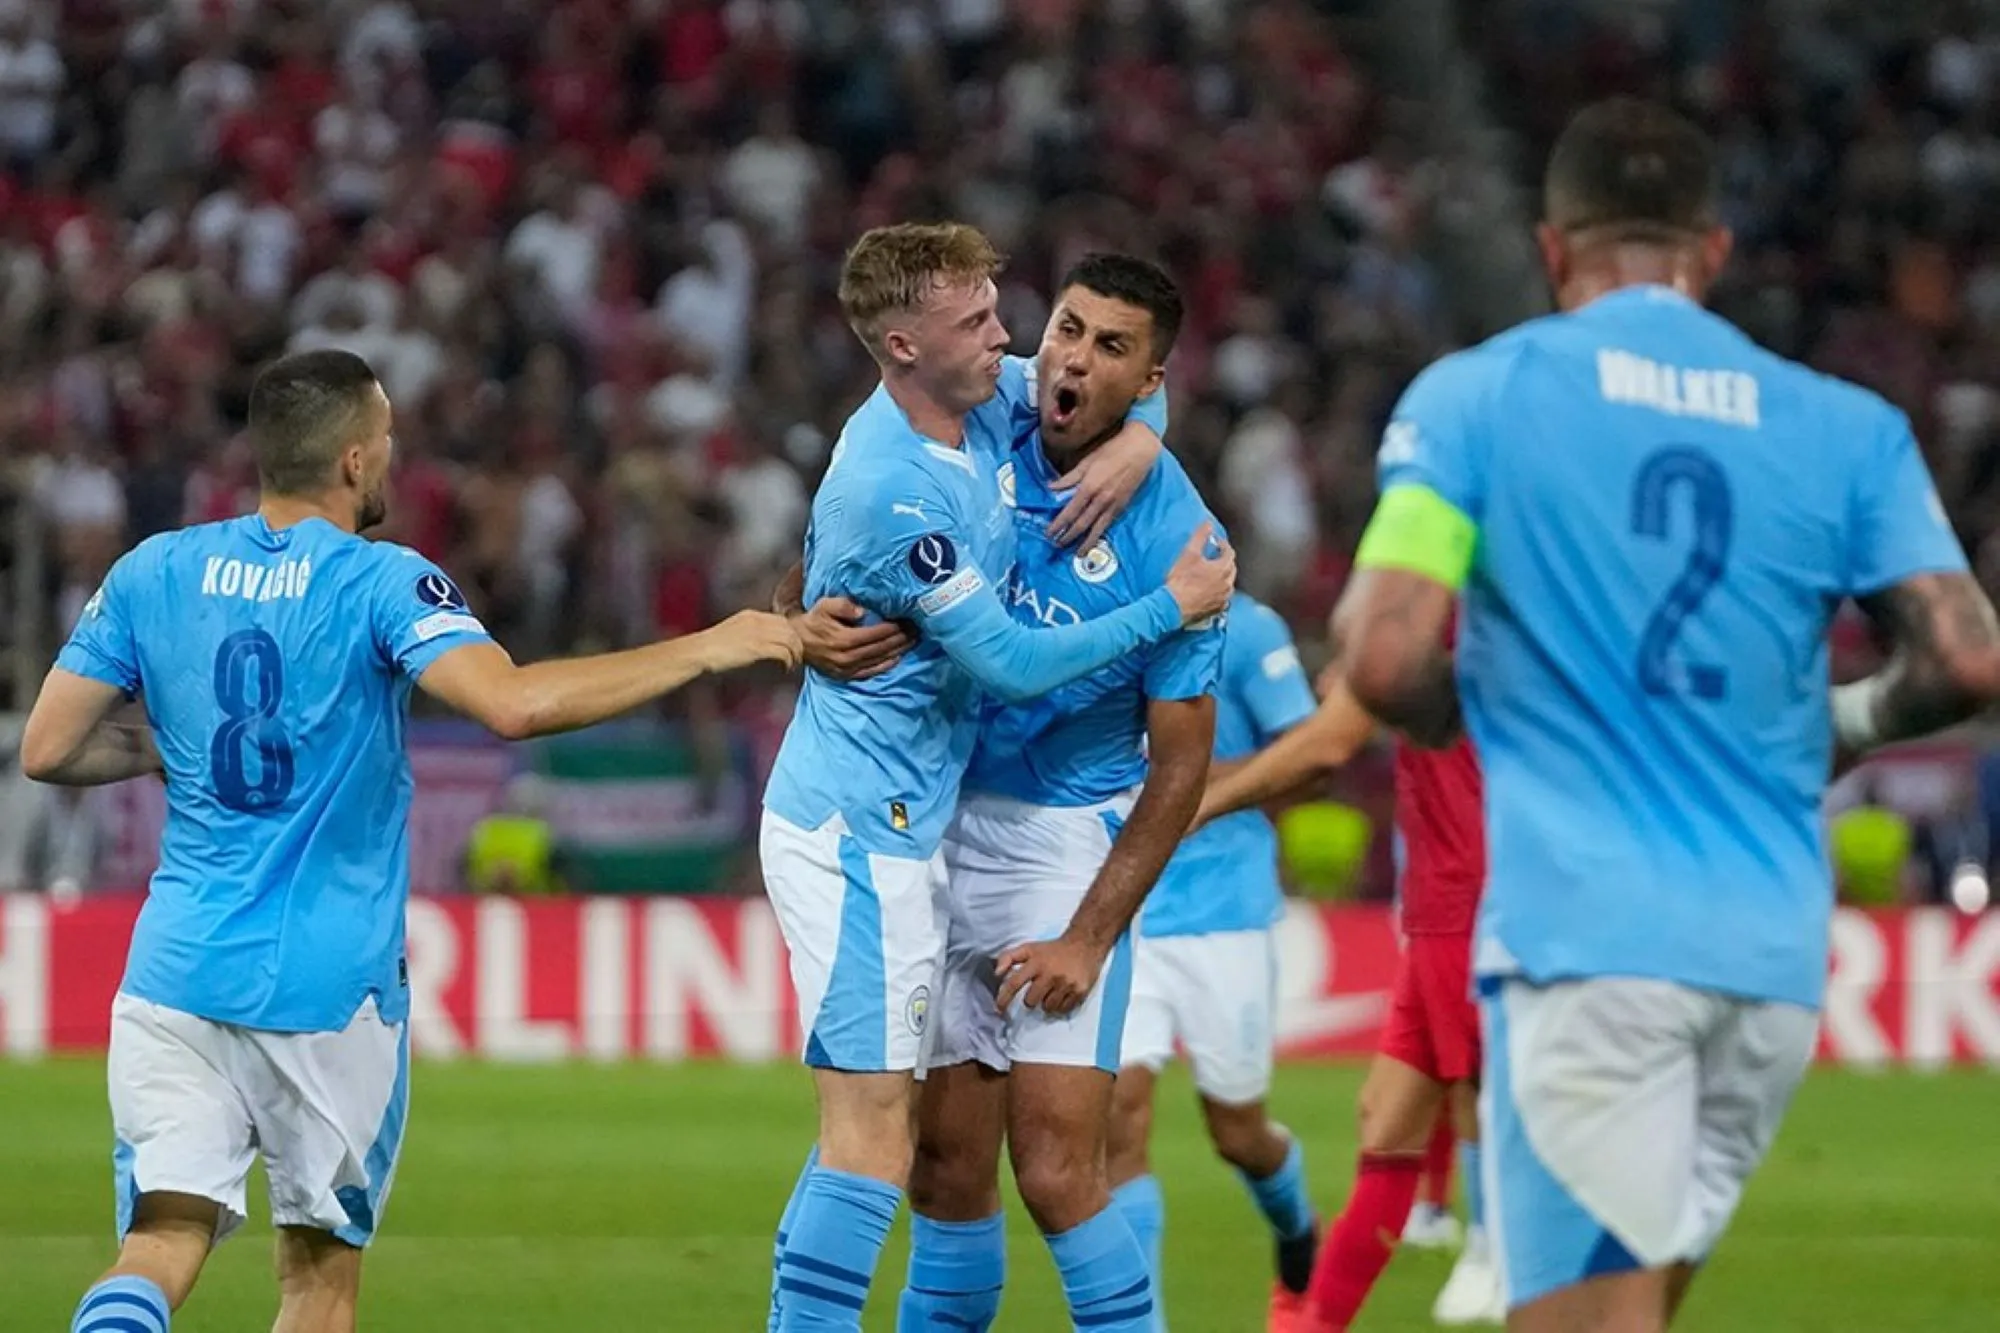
(956, 1272)
(831, 1249)
(123, 1305)
(1475, 1183)
(1104, 1275)
(1282, 1198)
(785, 1220)
(1146, 1213)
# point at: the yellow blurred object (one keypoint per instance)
(1870, 847)
(509, 853)
(1324, 846)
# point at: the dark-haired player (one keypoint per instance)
(1055, 845)
(1651, 520)
(265, 1005)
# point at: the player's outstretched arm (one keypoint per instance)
(1057, 975)
(836, 640)
(1015, 662)
(71, 740)
(1334, 733)
(1945, 669)
(542, 698)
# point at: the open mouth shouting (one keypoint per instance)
(1064, 404)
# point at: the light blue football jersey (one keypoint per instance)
(275, 666)
(917, 531)
(1668, 516)
(1225, 877)
(1084, 743)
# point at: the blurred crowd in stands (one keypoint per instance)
(591, 246)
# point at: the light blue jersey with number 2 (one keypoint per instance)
(275, 667)
(1667, 518)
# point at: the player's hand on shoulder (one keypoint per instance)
(1054, 976)
(1104, 484)
(753, 636)
(837, 644)
(1203, 576)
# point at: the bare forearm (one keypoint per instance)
(111, 752)
(1946, 667)
(789, 597)
(1425, 705)
(1160, 818)
(564, 695)
(1307, 752)
(1388, 632)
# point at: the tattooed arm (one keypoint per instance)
(1389, 631)
(1946, 667)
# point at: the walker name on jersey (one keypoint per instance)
(1727, 396)
(254, 582)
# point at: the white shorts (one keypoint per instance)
(193, 1103)
(1217, 995)
(1017, 873)
(865, 937)
(1622, 1118)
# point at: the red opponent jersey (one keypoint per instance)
(1441, 817)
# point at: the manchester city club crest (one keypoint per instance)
(918, 1010)
(1097, 564)
(1005, 476)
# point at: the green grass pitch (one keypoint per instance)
(581, 1199)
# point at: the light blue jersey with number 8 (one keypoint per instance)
(275, 667)
(1667, 516)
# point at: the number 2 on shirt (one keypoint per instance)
(250, 715)
(1664, 473)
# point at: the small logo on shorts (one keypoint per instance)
(899, 816)
(918, 1010)
(403, 972)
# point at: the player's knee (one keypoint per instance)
(319, 1282)
(1058, 1170)
(1243, 1136)
(1391, 1124)
(168, 1242)
(1130, 1132)
(1060, 1186)
(951, 1180)
(881, 1150)
(865, 1126)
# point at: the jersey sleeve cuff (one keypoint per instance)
(1417, 530)
(81, 661)
(417, 658)
(1163, 613)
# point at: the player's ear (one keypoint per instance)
(899, 347)
(1154, 377)
(1554, 245)
(1717, 244)
(353, 467)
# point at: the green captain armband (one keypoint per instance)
(1416, 529)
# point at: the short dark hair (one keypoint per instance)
(1137, 282)
(1633, 166)
(304, 409)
